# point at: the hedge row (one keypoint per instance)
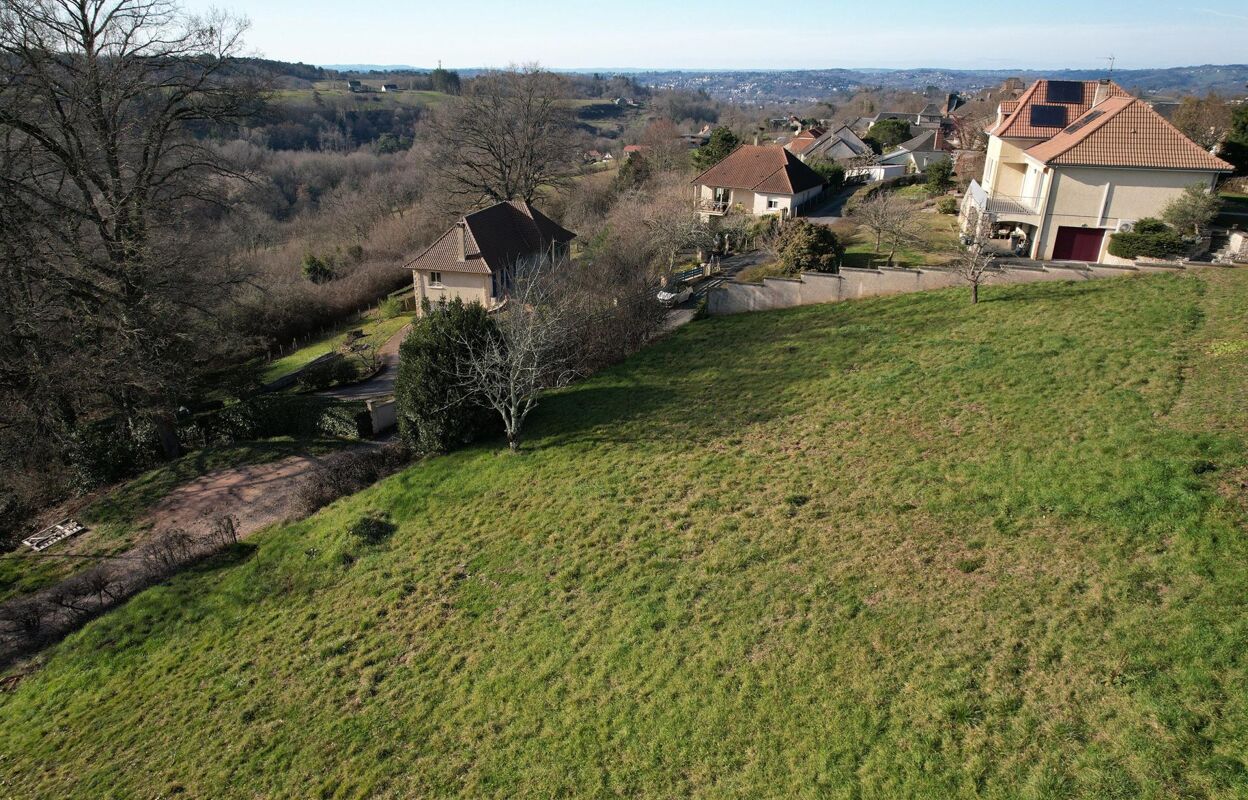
(266, 416)
(886, 185)
(112, 450)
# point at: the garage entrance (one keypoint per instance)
(1078, 244)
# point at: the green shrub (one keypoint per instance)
(807, 247)
(333, 370)
(939, 176)
(1151, 238)
(317, 269)
(833, 174)
(887, 133)
(391, 307)
(947, 205)
(266, 416)
(433, 415)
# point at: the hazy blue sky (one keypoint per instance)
(748, 33)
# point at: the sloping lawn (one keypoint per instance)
(896, 548)
(377, 330)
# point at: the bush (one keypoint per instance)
(807, 247)
(947, 205)
(317, 269)
(887, 133)
(833, 174)
(939, 176)
(433, 415)
(266, 416)
(391, 307)
(1151, 238)
(345, 473)
(333, 370)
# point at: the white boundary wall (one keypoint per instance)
(852, 283)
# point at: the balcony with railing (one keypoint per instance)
(708, 205)
(1003, 206)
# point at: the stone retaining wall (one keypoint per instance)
(852, 283)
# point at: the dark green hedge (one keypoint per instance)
(266, 416)
(1151, 238)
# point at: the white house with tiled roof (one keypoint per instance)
(757, 180)
(1071, 162)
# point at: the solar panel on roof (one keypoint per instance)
(1082, 122)
(1043, 116)
(1064, 92)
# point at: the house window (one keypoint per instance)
(772, 203)
(435, 280)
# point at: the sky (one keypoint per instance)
(746, 34)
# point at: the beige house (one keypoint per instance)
(757, 180)
(475, 258)
(1071, 162)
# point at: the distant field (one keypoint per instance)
(898, 548)
(333, 91)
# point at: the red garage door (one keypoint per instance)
(1078, 244)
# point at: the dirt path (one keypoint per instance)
(256, 495)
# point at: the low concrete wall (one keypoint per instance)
(383, 415)
(816, 287)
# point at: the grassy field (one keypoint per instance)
(938, 239)
(376, 331)
(903, 547)
(114, 518)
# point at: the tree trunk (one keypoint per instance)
(974, 293)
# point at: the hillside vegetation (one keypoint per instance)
(904, 547)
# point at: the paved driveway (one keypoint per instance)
(831, 212)
(381, 384)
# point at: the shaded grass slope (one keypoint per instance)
(903, 547)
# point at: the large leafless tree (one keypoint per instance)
(507, 135)
(106, 291)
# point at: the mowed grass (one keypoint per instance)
(904, 547)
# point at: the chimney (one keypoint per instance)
(1102, 92)
(459, 234)
(756, 140)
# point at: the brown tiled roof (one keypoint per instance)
(802, 140)
(1125, 132)
(761, 168)
(493, 238)
(1017, 123)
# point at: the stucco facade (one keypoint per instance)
(1086, 197)
(759, 203)
(467, 286)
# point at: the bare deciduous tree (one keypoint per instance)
(531, 349)
(974, 265)
(890, 218)
(506, 136)
(101, 176)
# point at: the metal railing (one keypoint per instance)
(1001, 203)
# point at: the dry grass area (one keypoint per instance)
(903, 547)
